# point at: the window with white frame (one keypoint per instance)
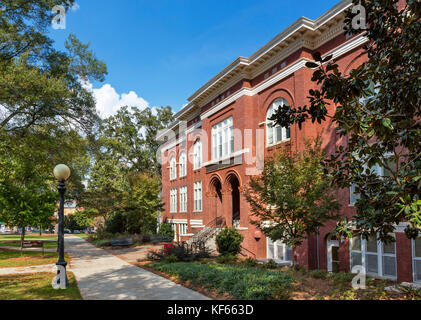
(222, 139)
(183, 199)
(183, 165)
(174, 228)
(173, 168)
(416, 254)
(197, 155)
(376, 169)
(173, 200)
(198, 196)
(378, 258)
(182, 228)
(276, 133)
(278, 250)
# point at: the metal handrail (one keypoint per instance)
(254, 255)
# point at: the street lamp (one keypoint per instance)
(62, 173)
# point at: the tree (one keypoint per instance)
(166, 230)
(229, 242)
(292, 198)
(130, 137)
(378, 107)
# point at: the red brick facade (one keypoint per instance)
(245, 91)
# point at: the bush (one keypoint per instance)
(318, 274)
(116, 223)
(270, 265)
(171, 259)
(183, 253)
(226, 259)
(166, 230)
(242, 282)
(229, 241)
(250, 262)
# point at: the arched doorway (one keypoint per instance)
(332, 254)
(215, 191)
(234, 192)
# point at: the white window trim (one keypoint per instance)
(173, 201)
(379, 254)
(197, 155)
(183, 165)
(183, 199)
(413, 262)
(218, 131)
(273, 130)
(275, 250)
(173, 169)
(196, 198)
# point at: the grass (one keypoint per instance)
(241, 282)
(36, 287)
(11, 259)
(82, 235)
(32, 236)
(47, 244)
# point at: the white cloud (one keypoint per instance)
(109, 101)
(75, 7)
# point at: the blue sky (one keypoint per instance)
(159, 52)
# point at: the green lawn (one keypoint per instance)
(47, 244)
(82, 235)
(11, 259)
(31, 236)
(242, 282)
(36, 287)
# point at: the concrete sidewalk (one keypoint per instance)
(28, 270)
(102, 276)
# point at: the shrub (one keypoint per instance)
(226, 259)
(250, 262)
(318, 274)
(242, 282)
(116, 223)
(166, 230)
(270, 264)
(183, 253)
(229, 241)
(171, 259)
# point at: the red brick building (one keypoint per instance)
(221, 136)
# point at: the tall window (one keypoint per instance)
(416, 253)
(222, 139)
(183, 199)
(183, 165)
(276, 133)
(378, 258)
(173, 168)
(173, 200)
(197, 150)
(376, 169)
(198, 196)
(182, 228)
(278, 250)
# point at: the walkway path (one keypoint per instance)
(28, 270)
(103, 276)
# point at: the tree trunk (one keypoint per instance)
(40, 231)
(294, 257)
(22, 238)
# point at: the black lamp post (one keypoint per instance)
(62, 173)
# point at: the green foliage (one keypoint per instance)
(250, 262)
(318, 274)
(229, 242)
(294, 194)
(182, 252)
(242, 282)
(378, 106)
(227, 259)
(270, 265)
(172, 258)
(166, 230)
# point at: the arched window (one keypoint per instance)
(197, 155)
(183, 165)
(276, 133)
(173, 168)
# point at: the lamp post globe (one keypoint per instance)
(61, 173)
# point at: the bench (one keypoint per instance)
(122, 242)
(158, 239)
